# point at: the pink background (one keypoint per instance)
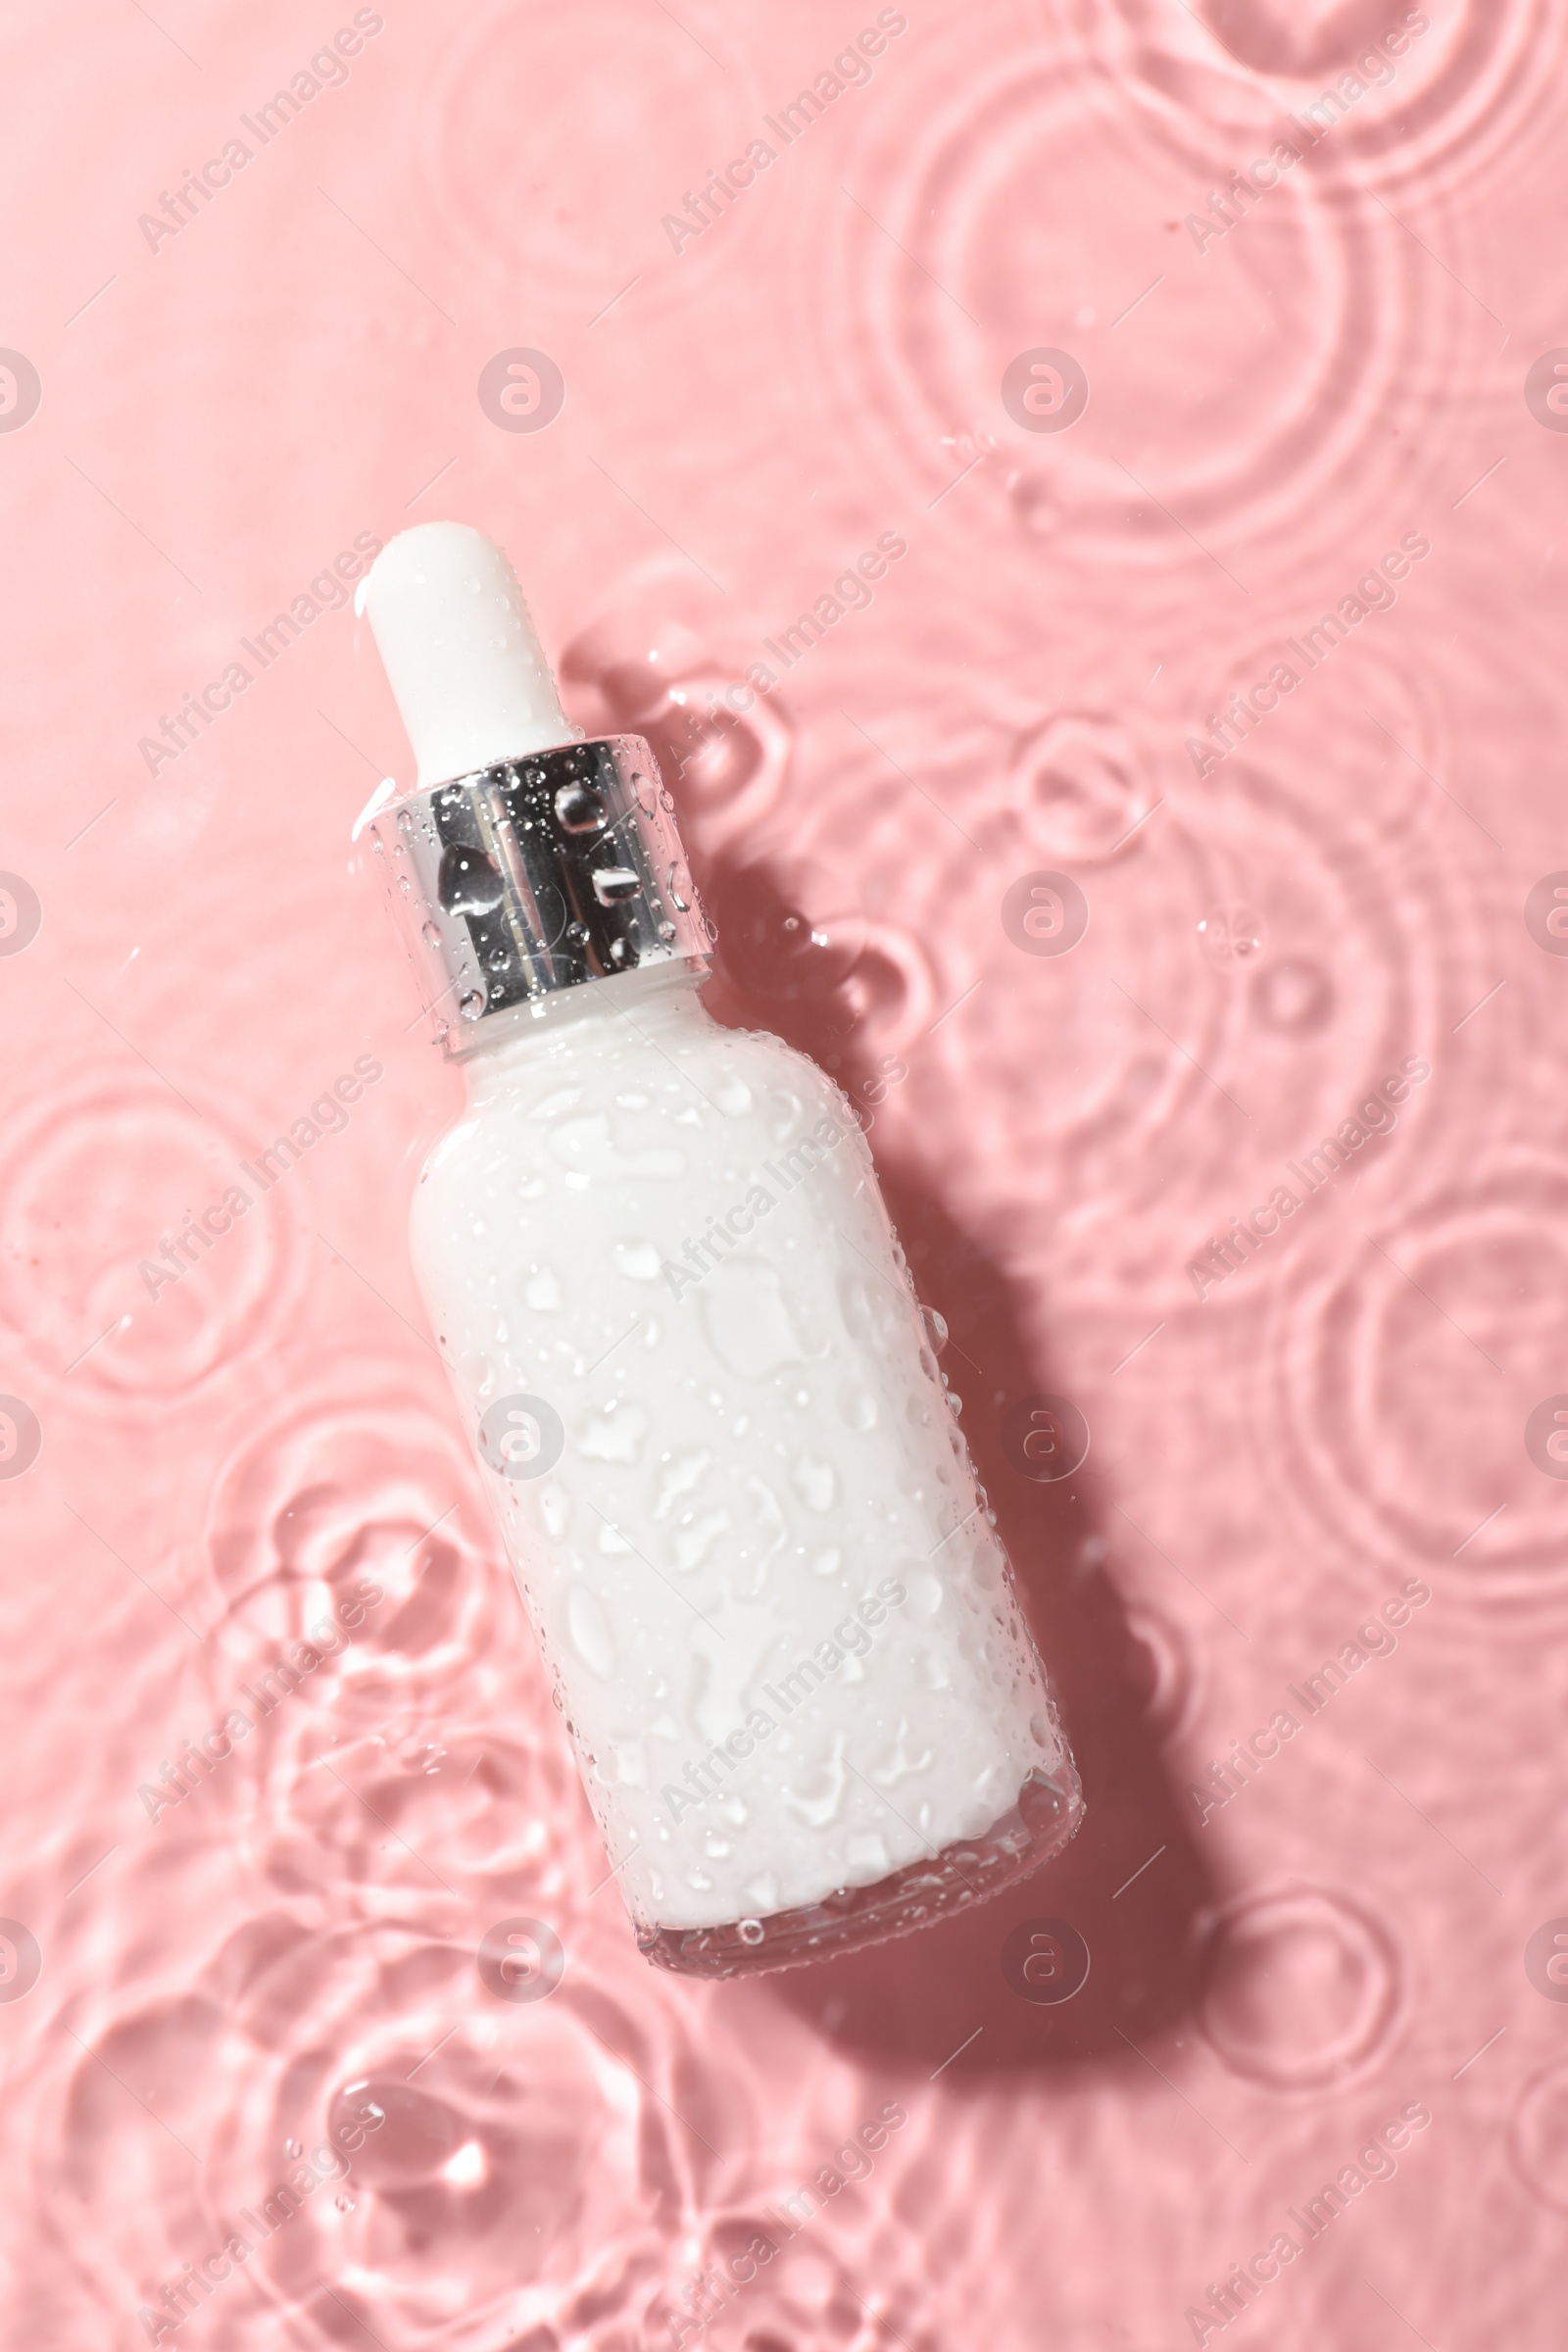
(1271, 411)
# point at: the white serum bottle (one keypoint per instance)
(780, 1626)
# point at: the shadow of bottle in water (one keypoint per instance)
(918, 1999)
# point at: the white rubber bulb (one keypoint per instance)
(460, 652)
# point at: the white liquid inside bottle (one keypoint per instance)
(777, 1619)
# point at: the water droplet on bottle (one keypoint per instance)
(679, 881)
(293, 2147)
(667, 932)
(751, 1931)
(580, 809)
(936, 1328)
(405, 886)
(614, 883)
(344, 2204)
(471, 1003)
(576, 933)
(430, 935)
(404, 820)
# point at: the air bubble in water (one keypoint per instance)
(1232, 934)
(1293, 996)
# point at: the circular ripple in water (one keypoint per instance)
(1033, 212)
(1081, 786)
(516, 2170)
(1163, 1669)
(1302, 1988)
(722, 749)
(509, 173)
(1385, 719)
(1537, 2138)
(1405, 1359)
(92, 1186)
(1457, 98)
(1355, 931)
(788, 940)
(402, 1815)
(1066, 1061)
(357, 1483)
(1137, 1073)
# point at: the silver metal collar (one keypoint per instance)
(534, 875)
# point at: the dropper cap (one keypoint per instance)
(526, 860)
(460, 652)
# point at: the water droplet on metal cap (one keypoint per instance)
(580, 809)
(468, 884)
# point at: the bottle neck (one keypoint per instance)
(652, 998)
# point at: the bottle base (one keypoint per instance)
(963, 1876)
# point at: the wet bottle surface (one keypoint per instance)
(780, 1626)
(728, 1473)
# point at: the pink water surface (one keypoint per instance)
(1360, 360)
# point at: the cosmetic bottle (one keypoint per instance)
(774, 1612)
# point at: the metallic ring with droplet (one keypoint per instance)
(537, 874)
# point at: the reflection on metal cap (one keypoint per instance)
(535, 875)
